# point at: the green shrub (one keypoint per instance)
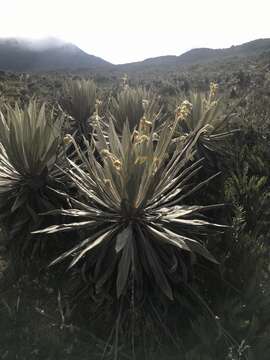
(138, 237)
(205, 112)
(79, 101)
(131, 105)
(29, 148)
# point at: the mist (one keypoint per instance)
(126, 31)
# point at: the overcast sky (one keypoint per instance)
(123, 31)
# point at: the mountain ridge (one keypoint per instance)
(205, 55)
(45, 55)
(52, 54)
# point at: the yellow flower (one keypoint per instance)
(145, 103)
(145, 125)
(109, 156)
(213, 90)
(140, 138)
(67, 139)
(135, 135)
(108, 182)
(117, 164)
(156, 163)
(105, 153)
(141, 159)
(143, 138)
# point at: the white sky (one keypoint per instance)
(123, 31)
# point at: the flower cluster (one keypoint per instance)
(213, 90)
(115, 161)
(145, 125)
(184, 110)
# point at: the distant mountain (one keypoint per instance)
(45, 55)
(203, 55)
(53, 54)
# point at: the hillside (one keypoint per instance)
(202, 56)
(55, 55)
(45, 55)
